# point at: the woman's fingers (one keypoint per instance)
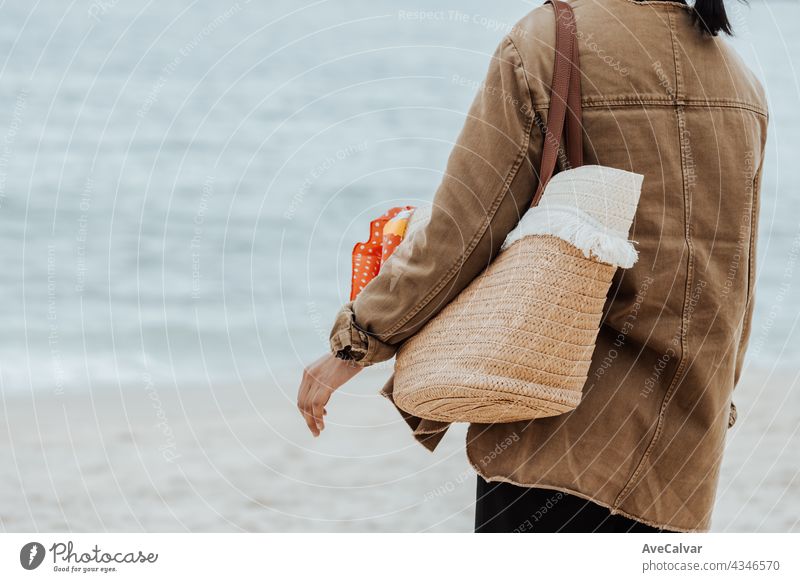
(320, 394)
(312, 425)
(318, 414)
(313, 399)
(309, 417)
(304, 400)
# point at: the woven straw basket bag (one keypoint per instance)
(517, 343)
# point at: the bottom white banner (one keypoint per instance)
(398, 556)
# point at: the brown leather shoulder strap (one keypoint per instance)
(565, 93)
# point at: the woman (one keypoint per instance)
(663, 95)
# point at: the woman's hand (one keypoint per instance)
(320, 380)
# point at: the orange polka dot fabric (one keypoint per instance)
(385, 233)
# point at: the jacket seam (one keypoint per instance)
(635, 477)
(463, 257)
(521, 66)
(755, 203)
(751, 246)
(661, 102)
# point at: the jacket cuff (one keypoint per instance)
(349, 342)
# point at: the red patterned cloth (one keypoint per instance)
(385, 233)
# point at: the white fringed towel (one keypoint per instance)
(591, 207)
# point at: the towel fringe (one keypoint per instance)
(579, 229)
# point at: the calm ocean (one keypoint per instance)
(181, 182)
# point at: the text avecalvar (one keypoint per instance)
(671, 549)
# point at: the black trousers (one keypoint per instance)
(508, 508)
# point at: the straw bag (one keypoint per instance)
(517, 343)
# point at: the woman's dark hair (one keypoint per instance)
(710, 16)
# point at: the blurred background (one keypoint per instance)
(181, 184)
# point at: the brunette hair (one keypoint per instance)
(711, 17)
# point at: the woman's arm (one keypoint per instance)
(489, 183)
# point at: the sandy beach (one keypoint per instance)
(156, 458)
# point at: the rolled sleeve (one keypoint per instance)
(349, 342)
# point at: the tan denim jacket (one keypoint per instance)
(660, 99)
